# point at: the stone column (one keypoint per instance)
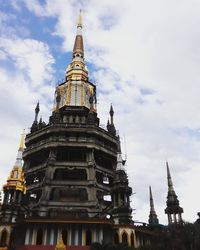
(27, 237)
(76, 237)
(52, 236)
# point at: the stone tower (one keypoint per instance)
(173, 210)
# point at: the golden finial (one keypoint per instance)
(80, 20)
(22, 144)
(60, 244)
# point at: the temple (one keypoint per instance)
(69, 185)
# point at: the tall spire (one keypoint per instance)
(78, 45)
(153, 220)
(111, 114)
(120, 165)
(77, 90)
(173, 210)
(169, 179)
(34, 126)
(111, 127)
(37, 110)
(18, 162)
(80, 20)
(22, 144)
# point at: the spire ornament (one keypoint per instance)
(60, 244)
(37, 110)
(111, 127)
(80, 20)
(34, 126)
(78, 50)
(22, 142)
(120, 165)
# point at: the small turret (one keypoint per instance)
(111, 126)
(173, 210)
(153, 220)
(111, 114)
(34, 126)
(121, 192)
(37, 110)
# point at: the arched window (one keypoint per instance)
(4, 236)
(124, 238)
(39, 236)
(64, 236)
(116, 238)
(88, 238)
(132, 239)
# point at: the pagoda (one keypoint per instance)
(73, 189)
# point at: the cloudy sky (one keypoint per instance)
(144, 57)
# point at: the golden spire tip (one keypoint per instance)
(80, 19)
(22, 144)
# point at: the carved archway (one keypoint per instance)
(116, 238)
(39, 239)
(124, 238)
(132, 239)
(4, 237)
(88, 238)
(64, 236)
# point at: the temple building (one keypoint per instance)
(69, 185)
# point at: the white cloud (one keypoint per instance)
(25, 72)
(30, 57)
(139, 46)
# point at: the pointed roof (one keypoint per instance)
(16, 179)
(60, 244)
(111, 110)
(78, 44)
(120, 165)
(152, 215)
(37, 108)
(172, 199)
(152, 209)
(169, 179)
(22, 143)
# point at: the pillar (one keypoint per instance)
(27, 237)
(52, 236)
(76, 237)
(44, 242)
(83, 237)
